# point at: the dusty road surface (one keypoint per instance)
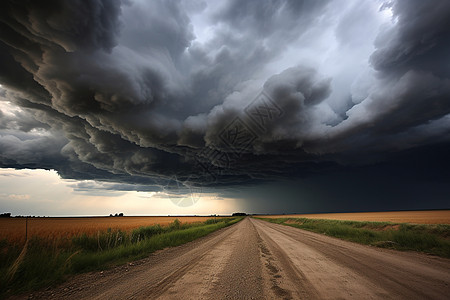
(255, 259)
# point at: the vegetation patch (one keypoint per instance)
(42, 262)
(431, 239)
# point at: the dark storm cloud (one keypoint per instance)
(421, 32)
(411, 93)
(134, 93)
(72, 25)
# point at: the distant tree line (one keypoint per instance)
(8, 215)
(238, 214)
(116, 215)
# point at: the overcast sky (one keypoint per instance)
(198, 107)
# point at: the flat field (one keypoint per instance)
(13, 229)
(254, 259)
(414, 217)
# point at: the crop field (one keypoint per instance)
(414, 217)
(58, 247)
(13, 229)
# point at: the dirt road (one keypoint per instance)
(258, 260)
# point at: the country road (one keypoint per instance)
(255, 259)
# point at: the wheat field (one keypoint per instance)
(414, 217)
(13, 229)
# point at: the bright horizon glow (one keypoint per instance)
(44, 193)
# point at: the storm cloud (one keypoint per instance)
(137, 93)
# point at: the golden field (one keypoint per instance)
(414, 217)
(13, 229)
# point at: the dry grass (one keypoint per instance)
(413, 217)
(13, 229)
(428, 238)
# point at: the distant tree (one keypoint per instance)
(121, 215)
(239, 214)
(5, 215)
(111, 215)
(116, 215)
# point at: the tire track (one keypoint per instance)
(384, 273)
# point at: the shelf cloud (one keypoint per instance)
(219, 94)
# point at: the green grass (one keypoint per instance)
(42, 263)
(430, 239)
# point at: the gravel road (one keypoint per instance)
(255, 259)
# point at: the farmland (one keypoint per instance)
(59, 247)
(415, 217)
(255, 259)
(106, 248)
(13, 229)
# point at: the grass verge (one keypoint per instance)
(430, 239)
(41, 262)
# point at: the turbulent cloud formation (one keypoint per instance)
(209, 93)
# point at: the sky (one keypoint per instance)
(211, 107)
